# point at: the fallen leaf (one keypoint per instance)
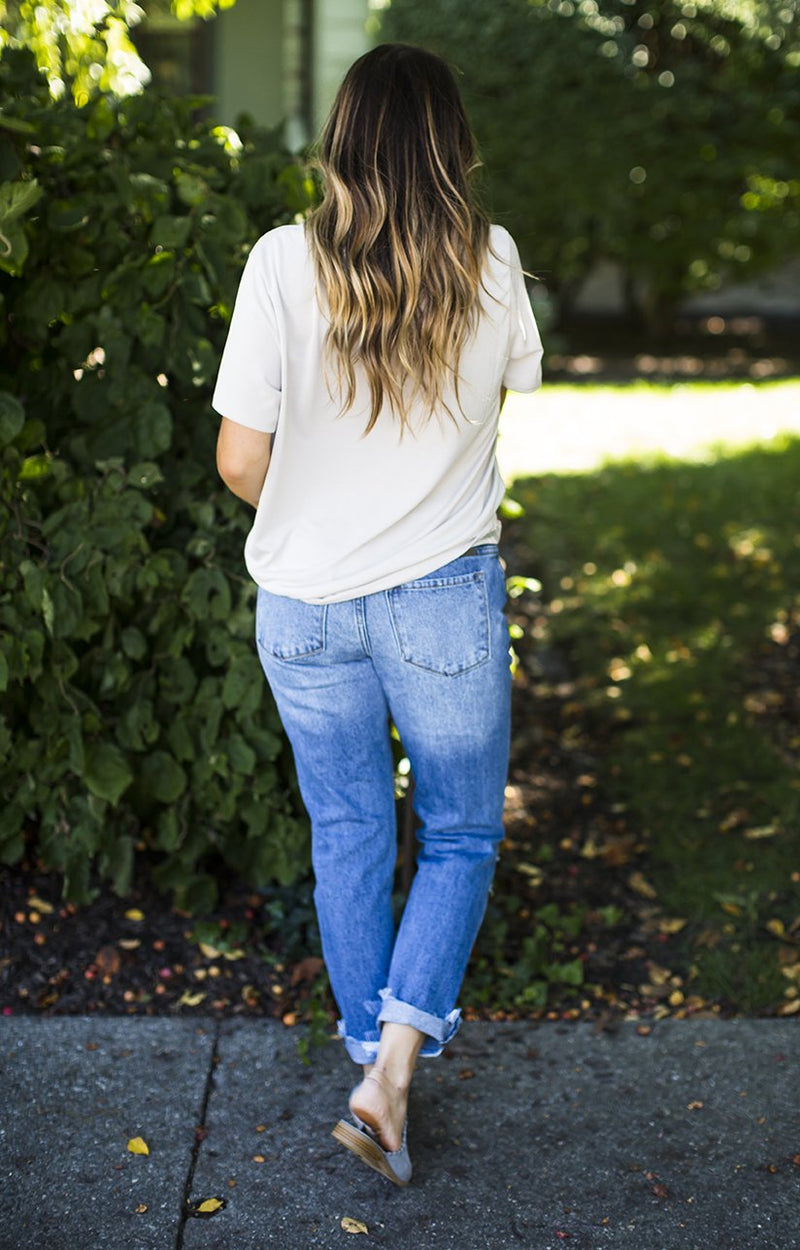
(695, 1105)
(466, 1074)
(142, 1207)
(209, 1205)
(672, 924)
(532, 871)
(138, 1146)
(616, 852)
(187, 999)
(307, 969)
(129, 944)
(40, 905)
(775, 926)
(134, 914)
(107, 960)
(258, 1159)
(762, 831)
(788, 1009)
(590, 849)
(353, 1226)
(638, 882)
(208, 950)
(739, 816)
(659, 975)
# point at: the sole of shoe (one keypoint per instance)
(366, 1149)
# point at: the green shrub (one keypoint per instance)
(135, 711)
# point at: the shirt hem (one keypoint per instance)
(418, 569)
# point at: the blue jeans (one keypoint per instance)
(432, 654)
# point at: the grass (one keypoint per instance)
(675, 586)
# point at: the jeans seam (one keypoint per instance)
(360, 609)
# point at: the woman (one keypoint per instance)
(367, 358)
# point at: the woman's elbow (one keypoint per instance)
(241, 453)
(230, 467)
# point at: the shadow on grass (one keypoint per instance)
(675, 589)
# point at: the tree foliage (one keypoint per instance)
(87, 47)
(135, 713)
(660, 134)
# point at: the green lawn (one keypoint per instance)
(675, 586)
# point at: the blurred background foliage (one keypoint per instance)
(658, 134)
(86, 48)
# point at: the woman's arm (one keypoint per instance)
(243, 459)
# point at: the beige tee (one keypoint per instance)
(343, 514)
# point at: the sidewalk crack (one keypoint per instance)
(199, 1135)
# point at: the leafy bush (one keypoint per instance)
(135, 712)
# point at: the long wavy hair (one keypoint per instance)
(399, 240)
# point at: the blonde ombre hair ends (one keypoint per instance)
(398, 241)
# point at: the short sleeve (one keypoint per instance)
(523, 370)
(248, 387)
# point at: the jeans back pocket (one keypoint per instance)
(289, 629)
(441, 624)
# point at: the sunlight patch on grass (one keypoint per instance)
(565, 429)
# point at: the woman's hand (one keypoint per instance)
(243, 459)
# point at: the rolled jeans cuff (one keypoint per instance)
(439, 1030)
(360, 1050)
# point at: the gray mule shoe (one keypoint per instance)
(363, 1141)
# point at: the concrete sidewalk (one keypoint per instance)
(526, 1135)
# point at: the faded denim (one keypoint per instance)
(433, 655)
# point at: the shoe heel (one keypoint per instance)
(366, 1149)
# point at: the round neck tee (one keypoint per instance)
(343, 513)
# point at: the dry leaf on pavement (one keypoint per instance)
(353, 1226)
(209, 1205)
